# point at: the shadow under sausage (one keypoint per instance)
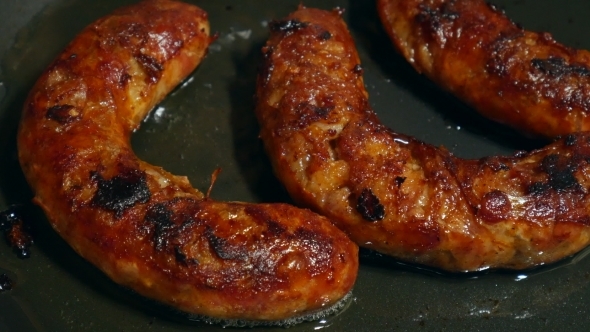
(249, 150)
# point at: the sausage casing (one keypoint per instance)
(397, 195)
(523, 79)
(144, 227)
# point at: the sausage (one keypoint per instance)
(523, 79)
(150, 230)
(394, 194)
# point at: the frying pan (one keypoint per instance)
(210, 123)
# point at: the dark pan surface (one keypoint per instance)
(210, 123)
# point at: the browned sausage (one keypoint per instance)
(517, 77)
(399, 196)
(144, 227)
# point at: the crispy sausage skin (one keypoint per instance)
(523, 79)
(394, 194)
(144, 227)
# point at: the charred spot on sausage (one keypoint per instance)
(435, 17)
(558, 67)
(399, 180)
(181, 257)
(358, 69)
(308, 113)
(124, 79)
(570, 140)
(160, 216)
(325, 35)
(152, 67)
(63, 114)
(266, 70)
(369, 207)
(495, 164)
(537, 188)
(274, 228)
(561, 173)
(322, 112)
(223, 248)
(122, 191)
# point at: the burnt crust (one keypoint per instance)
(121, 192)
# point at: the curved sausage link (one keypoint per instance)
(148, 229)
(523, 79)
(399, 196)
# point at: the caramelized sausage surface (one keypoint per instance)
(523, 79)
(145, 228)
(397, 195)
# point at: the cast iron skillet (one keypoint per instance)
(209, 123)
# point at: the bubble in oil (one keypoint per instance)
(321, 317)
